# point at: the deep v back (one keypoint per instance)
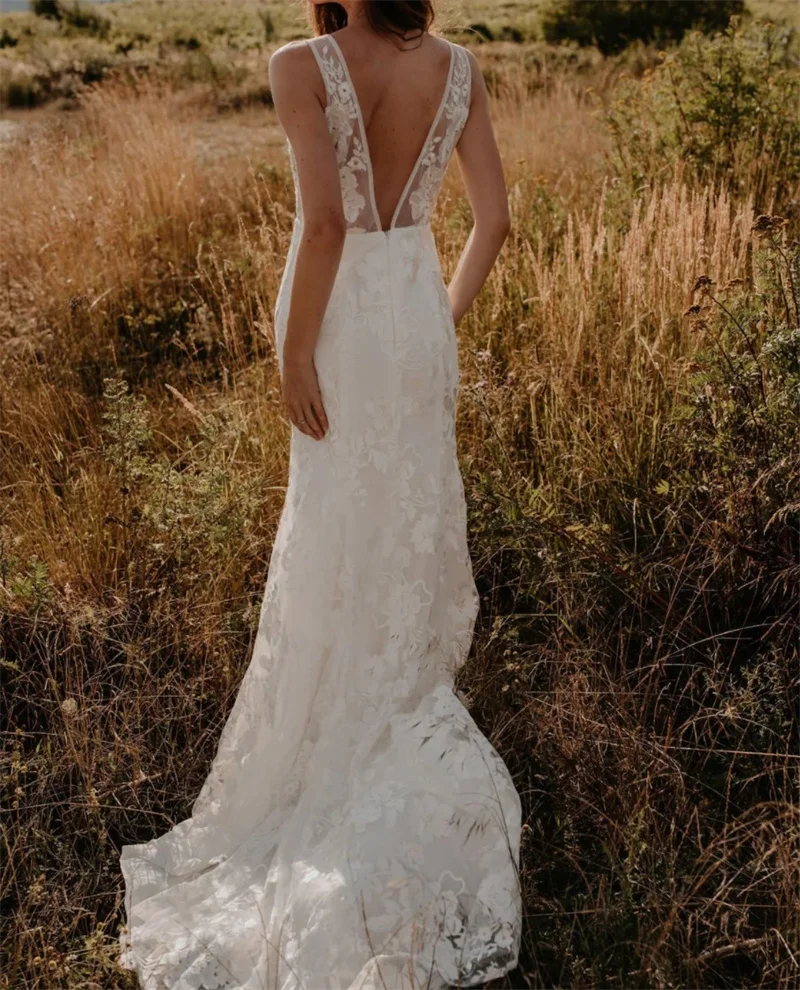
(348, 131)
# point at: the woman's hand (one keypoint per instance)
(303, 398)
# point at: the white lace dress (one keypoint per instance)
(356, 830)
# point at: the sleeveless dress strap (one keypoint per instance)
(346, 126)
(347, 130)
(419, 198)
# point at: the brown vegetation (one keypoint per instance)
(628, 428)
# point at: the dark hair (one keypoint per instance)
(402, 19)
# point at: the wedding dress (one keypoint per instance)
(356, 830)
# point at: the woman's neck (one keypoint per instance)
(355, 11)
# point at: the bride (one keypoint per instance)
(356, 830)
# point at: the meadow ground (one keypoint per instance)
(628, 430)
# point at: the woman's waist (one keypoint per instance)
(358, 239)
(400, 260)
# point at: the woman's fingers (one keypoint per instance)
(310, 415)
(319, 412)
(300, 420)
(305, 419)
(304, 402)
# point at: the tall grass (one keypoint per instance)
(627, 433)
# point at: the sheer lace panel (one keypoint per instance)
(348, 132)
(346, 125)
(422, 190)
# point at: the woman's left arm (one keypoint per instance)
(482, 169)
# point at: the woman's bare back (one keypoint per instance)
(400, 92)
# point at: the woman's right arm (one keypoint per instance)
(485, 183)
(299, 98)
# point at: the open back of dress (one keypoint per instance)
(346, 124)
(356, 830)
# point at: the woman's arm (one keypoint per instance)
(299, 99)
(482, 170)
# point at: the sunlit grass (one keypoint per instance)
(631, 483)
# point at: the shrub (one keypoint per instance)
(510, 33)
(86, 21)
(21, 87)
(481, 32)
(174, 517)
(51, 9)
(270, 31)
(728, 106)
(739, 428)
(613, 24)
(666, 600)
(74, 15)
(188, 41)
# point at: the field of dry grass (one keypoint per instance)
(628, 427)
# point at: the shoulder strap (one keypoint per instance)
(419, 198)
(330, 66)
(346, 126)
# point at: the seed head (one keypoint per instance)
(766, 225)
(69, 707)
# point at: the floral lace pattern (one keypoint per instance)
(347, 130)
(416, 205)
(346, 125)
(356, 830)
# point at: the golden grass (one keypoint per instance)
(650, 736)
(85, 210)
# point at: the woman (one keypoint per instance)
(356, 830)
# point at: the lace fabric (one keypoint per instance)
(419, 198)
(346, 125)
(356, 830)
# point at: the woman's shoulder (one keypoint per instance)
(463, 56)
(465, 53)
(292, 62)
(469, 59)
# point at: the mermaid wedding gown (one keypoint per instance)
(356, 830)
